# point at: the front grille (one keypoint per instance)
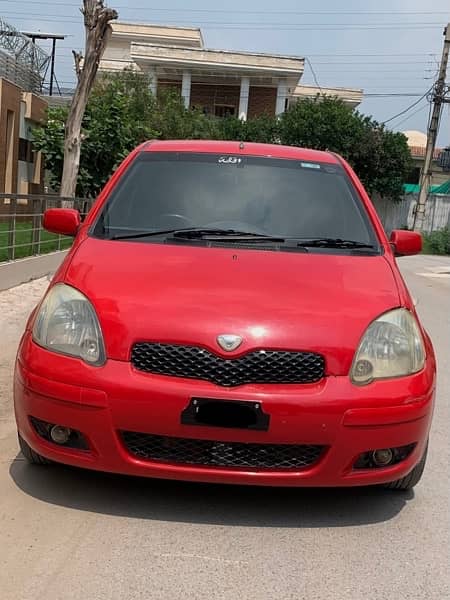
(220, 454)
(261, 366)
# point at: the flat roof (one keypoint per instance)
(352, 96)
(142, 52)
(327, 91)
(115, 24)
(176, 34)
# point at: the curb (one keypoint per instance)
(22, 270)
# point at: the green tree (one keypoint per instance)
(174, 121)
(118, 117)
(50, 139)
(380, 157)
(263, 129)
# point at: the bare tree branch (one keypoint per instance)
(97, 18)
(77, 57)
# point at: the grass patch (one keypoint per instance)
(437, 242)
(49, 241)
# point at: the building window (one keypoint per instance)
(9, 150)
(224, 110)
(25, 150)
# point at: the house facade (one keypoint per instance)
(21, 168)
(417, 142)
(219, 82)
(22, 65)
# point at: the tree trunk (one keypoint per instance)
(96, 22)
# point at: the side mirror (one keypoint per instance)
(64, 221)
(406, 243)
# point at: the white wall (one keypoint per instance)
(397, 215)
(117, 49)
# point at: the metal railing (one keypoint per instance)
(21, 231)
(21, 60)
(18, 73)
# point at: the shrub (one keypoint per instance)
(437, 242)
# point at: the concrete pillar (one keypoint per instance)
(282, 94)
(154, 80)
(186, 88)
(243, 98)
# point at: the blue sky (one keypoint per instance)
(383, 46)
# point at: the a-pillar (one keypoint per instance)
(243, 98)
(282, 94)
(186, 88)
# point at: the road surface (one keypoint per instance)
(72, 535)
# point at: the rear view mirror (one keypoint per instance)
(406, 243)
(64, 221)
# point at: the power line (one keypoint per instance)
(409, 107)
(329, 63)
(334, 54)
(365, 63)
(411, 115)
(356, 82)
(424, 53)
(247, 12)
(218, 25)
(391, 95)
(380, 95)
(221, 22)
(364, 76)
(360, 75)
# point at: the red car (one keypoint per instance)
(233, 313)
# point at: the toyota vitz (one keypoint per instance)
(229, 313)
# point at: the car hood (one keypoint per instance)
(185, 294)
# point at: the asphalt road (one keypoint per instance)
(72, 535)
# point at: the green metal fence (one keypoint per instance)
(21, 231)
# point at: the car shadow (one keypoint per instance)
(161, 500)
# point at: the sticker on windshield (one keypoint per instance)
(310, 165)
(229, 160)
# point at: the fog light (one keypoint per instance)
(60, 434)
(382, 458)
(385, 457)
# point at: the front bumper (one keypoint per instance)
(99, 402)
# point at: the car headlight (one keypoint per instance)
(66, 323)
(391, 347)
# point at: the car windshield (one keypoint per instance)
(229, 194)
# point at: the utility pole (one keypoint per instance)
(52, 67)
(438, 98)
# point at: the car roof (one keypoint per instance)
(244, 148)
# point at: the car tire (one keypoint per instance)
(30, 455)
(409, 481)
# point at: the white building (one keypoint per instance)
(220, 82)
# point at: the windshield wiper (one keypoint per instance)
(216, 234)
(225, 234)
(201, 233)
(142, 234)
(333, 243)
